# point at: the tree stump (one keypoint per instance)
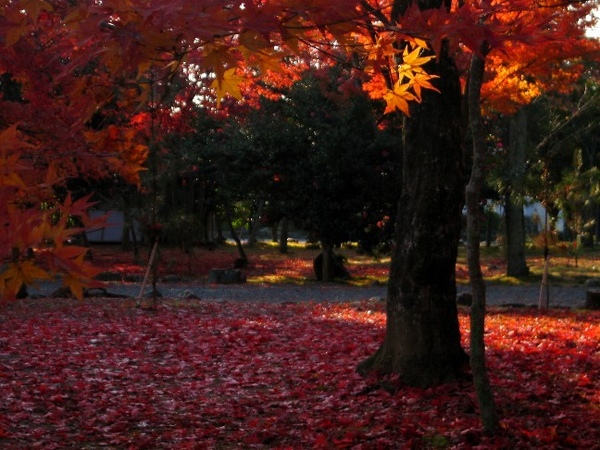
(337, 269)
(592, 300)
(226, 276)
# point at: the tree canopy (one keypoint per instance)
(83, 82)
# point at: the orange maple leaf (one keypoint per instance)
(399, 98)
(228, 84)
(19, 273)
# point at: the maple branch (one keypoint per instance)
(377, 13)
(581, 109)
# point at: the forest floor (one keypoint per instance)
(279, 371)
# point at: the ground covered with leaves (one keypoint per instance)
(267, 265)
(196, 374)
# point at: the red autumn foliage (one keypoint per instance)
(252, 375)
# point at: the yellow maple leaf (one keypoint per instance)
(412, 62)
(18, 273)
(30, 272)
(399, 98)
(218, 58)
(10, 283)
(253, 41)
(228, 84)
(75, 285)
(421, 80)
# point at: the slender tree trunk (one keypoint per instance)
(516, 263)
(422, 342)
(234, 236)
(127, 220)
(255, 225)
(487, 406)
(283, 235)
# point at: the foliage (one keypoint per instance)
(107, 63)
(317, 144)
(104, 374)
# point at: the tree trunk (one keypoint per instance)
(516, 264)
(255, 224)
(327, 263)
(283, 236)
(487, 405)
(422, 342)
(234, 236)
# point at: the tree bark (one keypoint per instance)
(234, 236)
(255, 225)
(516, 263)
(422, 342)
(326, 269)
(487, 405)
(283, 236)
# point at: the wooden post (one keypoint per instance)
(147, 274)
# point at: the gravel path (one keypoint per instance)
(563, 296)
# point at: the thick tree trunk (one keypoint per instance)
(422, 342)
(516, 263)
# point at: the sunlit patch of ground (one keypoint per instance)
(267, 265)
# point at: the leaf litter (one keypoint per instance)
(254, 375)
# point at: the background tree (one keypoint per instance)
(511, 88)
(94, 54)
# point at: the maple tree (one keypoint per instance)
(513, 84)
(500, 25)
(127, 55)
(129, 52)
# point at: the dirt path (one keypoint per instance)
(560, 296)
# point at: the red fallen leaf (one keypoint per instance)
(321, 441)
(584, 380)
(208, 375)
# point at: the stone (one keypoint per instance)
(464, 299)
(592, 282)
(171, 278)
(109, 276)
(133, 278)
(189, 295)
(592, 299)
